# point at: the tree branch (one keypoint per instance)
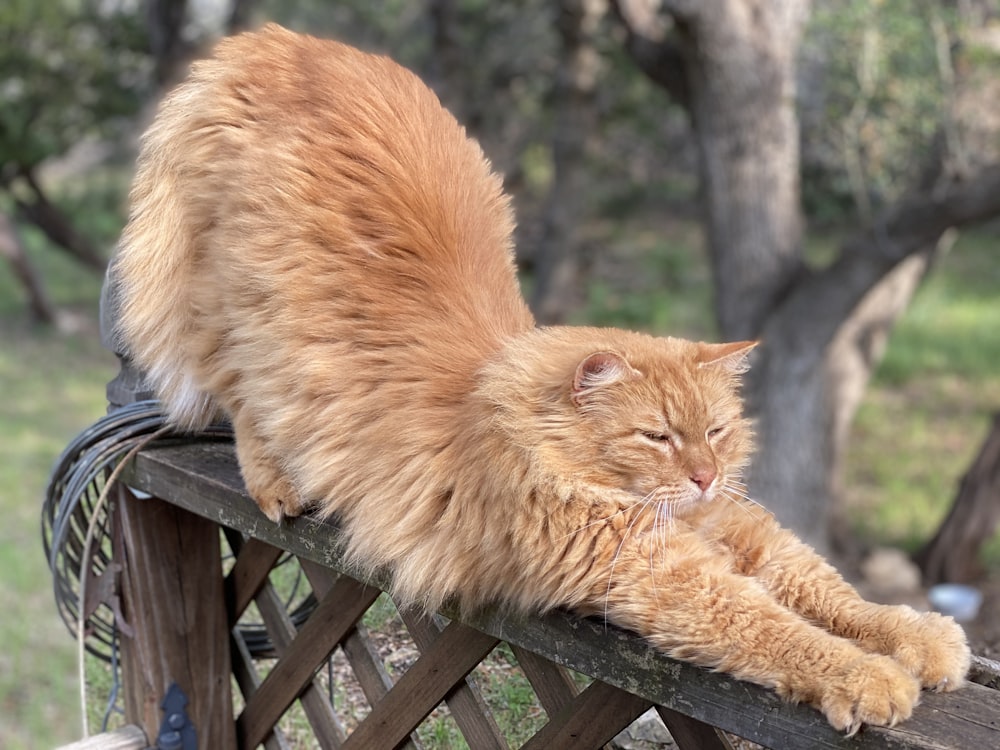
(826, 298)
(12, 250)
(654, 49)
(55, 224)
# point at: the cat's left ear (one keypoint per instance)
(600, 370)
(733, 357)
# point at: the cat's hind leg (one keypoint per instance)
(265, 478)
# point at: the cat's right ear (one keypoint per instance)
(598, 371)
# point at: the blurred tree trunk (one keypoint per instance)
(12, 250)
(240, 13)
(953, 553)
(557, 258)
(732, 64)
(34, 206)
(446, 62)
(165, 25)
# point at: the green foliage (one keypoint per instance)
(872, 99)
(68, 69)
(653, 279)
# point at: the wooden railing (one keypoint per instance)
(184, 603)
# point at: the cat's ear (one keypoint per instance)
(733, 357)
(599, 370)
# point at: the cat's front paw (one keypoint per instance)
(872, 690)
(934, 649)
(277, 500)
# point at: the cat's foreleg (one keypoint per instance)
(930, 646)
(697, 611)
(263, 475)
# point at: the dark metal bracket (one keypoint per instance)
(176, 731)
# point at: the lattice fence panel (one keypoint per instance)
(308, 667)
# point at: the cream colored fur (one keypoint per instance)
(317, 250)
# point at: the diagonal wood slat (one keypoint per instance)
(326, 726)
(453, 655)
(596, 715)
(248, 680)
(474, 719)
(330, 622)
(254, 561)
(691, 734)
(552, 684)
(368, 668)
(249, 578)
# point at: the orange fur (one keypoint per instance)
(316, 249)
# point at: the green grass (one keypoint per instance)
(52, 385)
(655, 281)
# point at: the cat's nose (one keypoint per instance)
(703, 477)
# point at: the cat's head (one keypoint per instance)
(658, 417)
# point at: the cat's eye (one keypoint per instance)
(656, 437)
(715, 432)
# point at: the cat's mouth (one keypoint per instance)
(677, 501)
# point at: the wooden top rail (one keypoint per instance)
(203, 478)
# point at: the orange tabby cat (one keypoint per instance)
(318, 250)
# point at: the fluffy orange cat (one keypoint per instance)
(317, 250)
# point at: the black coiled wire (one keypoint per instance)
(71, 502)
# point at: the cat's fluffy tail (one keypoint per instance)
(153, 273)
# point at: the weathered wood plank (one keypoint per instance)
(453, 655)
(205, 479)
(593, 718)
(173, 600)
(129, 737)
(626, 661)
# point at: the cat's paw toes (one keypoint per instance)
(278, 500)
(874, 690)
(934, 649)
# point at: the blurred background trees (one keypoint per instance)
(872, 121)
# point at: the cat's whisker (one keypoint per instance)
(657, 542)
(741, 491)
(741, 499)
(596, 522)
(643, 504)
(665, 522)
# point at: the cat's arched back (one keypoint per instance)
(334, 174)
